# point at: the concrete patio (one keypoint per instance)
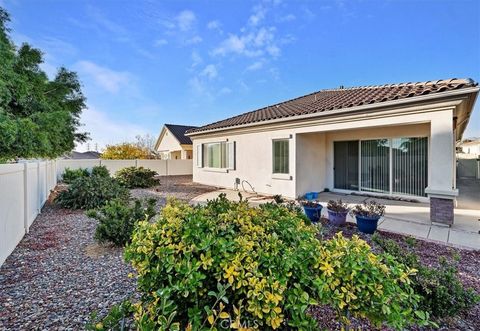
(409, 218)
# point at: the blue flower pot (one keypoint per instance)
(337, 218)
(313, 213)
(311, 195)
(367, 224)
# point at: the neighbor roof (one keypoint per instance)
(179, 132)
(341, 98)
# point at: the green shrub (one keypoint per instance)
(117, 219)
(69, 175)
(133, 177)
(356, 282)
(91, 192)
(117, 319)
(442, 293)
(101, 171)
(226, 265)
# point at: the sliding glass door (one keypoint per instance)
(391, 166)
(346, 165)
(409, 165)
(375, 165)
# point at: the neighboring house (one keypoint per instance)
(83, 155)
(173, 144)
(396, 139)
(471, 148)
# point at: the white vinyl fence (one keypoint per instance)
(162, 167)
(24, 189)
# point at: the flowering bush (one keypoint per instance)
(225, 265)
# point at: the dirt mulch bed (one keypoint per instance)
(429, 253)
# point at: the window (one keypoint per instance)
(280, 156)
(345, 162)
(219, 155)
(215, 155)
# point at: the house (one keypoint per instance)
(83, 155)
(470, 148)
(172, 143)
(396, 139)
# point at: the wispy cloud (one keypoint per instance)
(194, 40)
(260, 42)
(160, 42)
(287, 18)
(185, 20)
(196, 59)
(215, 25)
(210, 71)
(109, 80)
(255, 66)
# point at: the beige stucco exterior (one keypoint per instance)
(170, 148)
(311, 147)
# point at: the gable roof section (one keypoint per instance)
(334, 99)
(178, 132)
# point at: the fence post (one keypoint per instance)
(39, 189)
(136, 163)
(25, 197)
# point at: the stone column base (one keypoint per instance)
(441, 210)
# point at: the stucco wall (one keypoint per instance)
(168, 143)
(253, 164)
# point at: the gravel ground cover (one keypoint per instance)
(57, 276)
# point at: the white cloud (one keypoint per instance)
(258, 15)
(196, 59)
(255, 66)
(105, 130)
(210, 71)
(214, 25)
(251, 44)
(160, 42)
(287, 18)
(194, 40)
(185, 20)
(110, 80)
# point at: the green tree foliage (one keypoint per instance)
(38, 117)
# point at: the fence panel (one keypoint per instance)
(179, 167)
(160, 166)
(114, 165)
(11, 208)
(32, 199)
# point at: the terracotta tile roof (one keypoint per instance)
(341, 98)
(179, 132)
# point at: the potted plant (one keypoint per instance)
(367, 215)
(312, 209)
(337, 212)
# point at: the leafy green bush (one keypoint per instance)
(358, 283)
(133, 177)
(91, 192)
(227, 265)
(117, 319)
(369, 209)
(117, 219)
(69, 175)
(101, 171)
(442, 293)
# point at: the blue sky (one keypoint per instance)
(146, 63)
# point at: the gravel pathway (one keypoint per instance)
(57, 276)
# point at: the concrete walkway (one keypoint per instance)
(400, 217)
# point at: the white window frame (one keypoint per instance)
(283, 176)
(229, 158)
